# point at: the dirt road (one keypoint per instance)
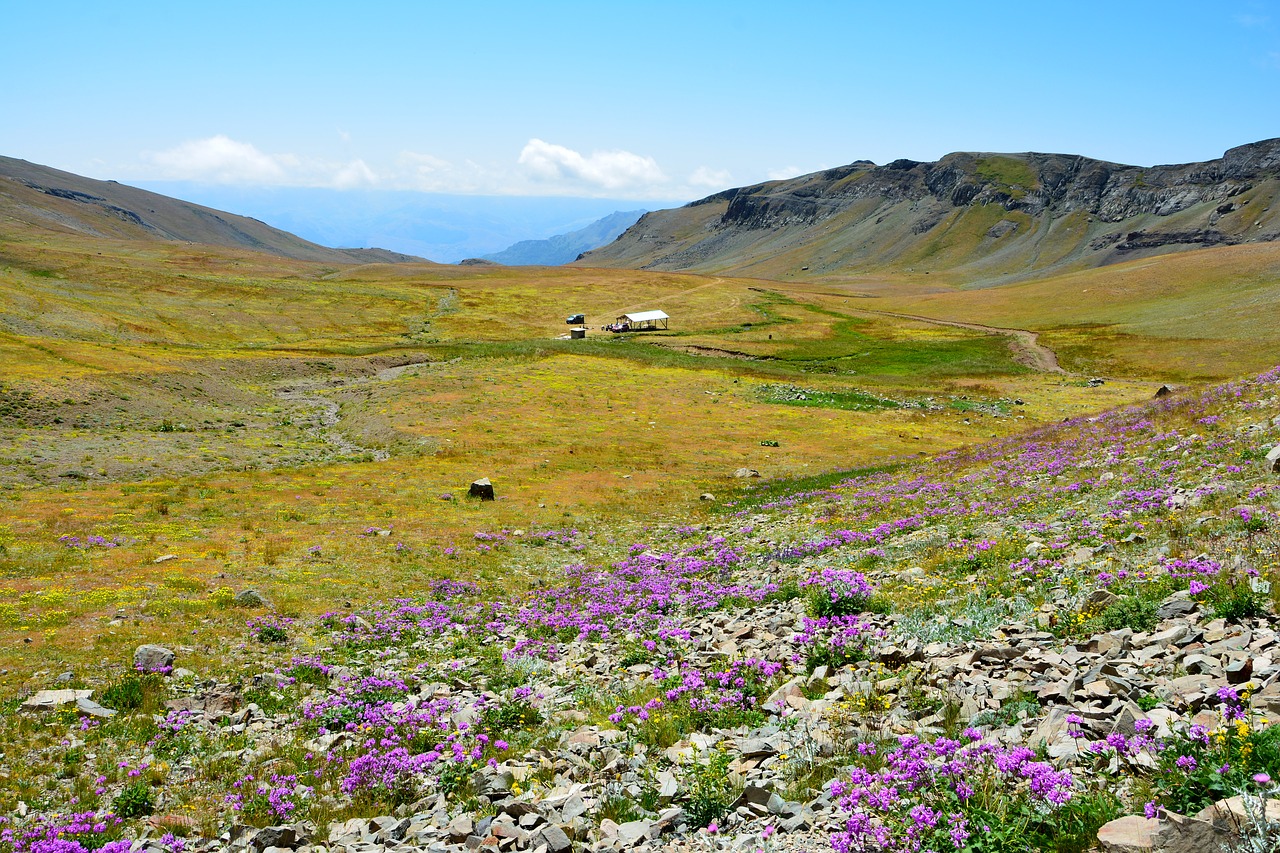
(1027, 349)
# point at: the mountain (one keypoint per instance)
(975, 218)
(441, 226)
(563, 248)
(42, 198)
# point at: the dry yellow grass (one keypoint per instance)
(239, 354)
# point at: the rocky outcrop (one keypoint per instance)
(1059, 210)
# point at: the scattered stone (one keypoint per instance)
(1272, 462)
(743, 473)
(482, 489)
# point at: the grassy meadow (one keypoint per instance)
(224, 420)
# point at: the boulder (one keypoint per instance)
(250, 598)
(1232, 814)
(152, 658)
(1272, 462)
(1170, 833)
(743, 473)
(481, 489)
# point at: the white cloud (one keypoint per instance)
(541, 168)
(784, 173)
(604, 170)
(354, 174)
(704, 176)
(222, 160)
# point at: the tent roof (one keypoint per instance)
(641, 316)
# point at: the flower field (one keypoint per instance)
(995, 648)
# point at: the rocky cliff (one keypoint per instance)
(981, 218)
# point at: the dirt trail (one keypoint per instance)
(1027, 349)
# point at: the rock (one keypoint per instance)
(743, 473)
(707, 496)
(555, 839)
(151, 658)
(633, 832)
(573, 807)
(52, 700)
(1099, 600)
(481, 489)
(459, 828)
(1163, 391)
(91, 708)
(1130, 834)
(1272, 462)
(1171, 833)
(250, 598)
(1175, 606)
(492, 783)
(274, 836)
(1231, 814)
(757, 747)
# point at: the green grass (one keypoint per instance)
(1007, 172)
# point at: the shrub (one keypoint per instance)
(134, 800)
(1198, 765)
(270, 629)
(135, 692)
(953, 795)
(1131, 611)
(834, 640)
(837, 592)
(710, 790)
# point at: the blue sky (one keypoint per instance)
(634, 100)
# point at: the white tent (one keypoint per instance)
(645, 319)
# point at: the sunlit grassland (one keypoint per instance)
(1192, 315)
(171, 398)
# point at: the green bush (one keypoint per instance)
(1131, 611)
(134, 801)
(135, 692)
(710, 793)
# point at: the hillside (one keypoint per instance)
(563, 248)
(969, 218)
(43, 199)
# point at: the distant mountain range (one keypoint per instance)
(563, 248)
(49, 199)
(445, 228)
(972, 218)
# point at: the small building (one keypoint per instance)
(643, 321)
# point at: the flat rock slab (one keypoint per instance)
(52, 700)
